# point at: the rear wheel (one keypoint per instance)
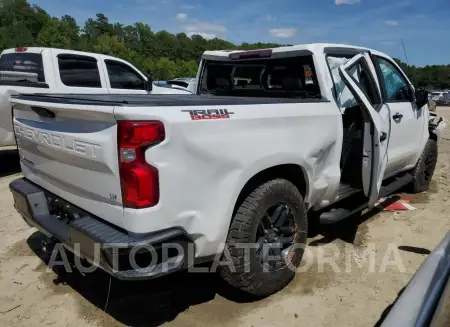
(424, 170)
(271, 222)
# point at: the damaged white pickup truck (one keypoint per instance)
(271, 138)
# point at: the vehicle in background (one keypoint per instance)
(272, 139)
(444, 100)
(436, 95)
(183, 83)
(161, 83)
(425, 301)
(49, 70)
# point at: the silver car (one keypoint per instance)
(425, 301)
(444, 100)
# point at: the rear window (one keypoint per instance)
(79, 71)
(23, 63)
(281, 77)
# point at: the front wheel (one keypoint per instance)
(424, 170)
(266, 240)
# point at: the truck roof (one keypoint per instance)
(306, 48)
(41, 49)
(68, 51)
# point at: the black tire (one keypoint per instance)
(424, 170)
(250, 277)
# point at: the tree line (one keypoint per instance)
(161, 54)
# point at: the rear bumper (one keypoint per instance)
(114, 250)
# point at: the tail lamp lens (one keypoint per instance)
(139, 180)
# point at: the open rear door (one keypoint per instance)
(360, 77)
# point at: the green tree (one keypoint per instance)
(72, 29)
(163, 69)
(100, 26)
(164, 45)
(145, 38)
(20, 23)
(54, 34)
(19, 12)
(110, 45)
(38, 20)
(15, 36)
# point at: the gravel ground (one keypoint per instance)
(346, 291)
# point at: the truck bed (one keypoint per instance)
(158, 100)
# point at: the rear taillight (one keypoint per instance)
(139, 180)
(21, 49)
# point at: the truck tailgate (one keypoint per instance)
(71, 150)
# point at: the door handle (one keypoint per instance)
(397, 116)
(383, 136)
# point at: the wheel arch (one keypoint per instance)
(294, 173)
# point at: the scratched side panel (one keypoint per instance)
(205, 161)
(73, 155)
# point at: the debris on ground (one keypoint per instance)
(13, 308)
(402, 204)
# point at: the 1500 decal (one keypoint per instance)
(209, 114)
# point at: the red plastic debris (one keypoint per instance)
(402, 204)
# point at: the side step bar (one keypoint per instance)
(396, 185)
(338, 214)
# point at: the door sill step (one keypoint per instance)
(345, 191)
(337, 214)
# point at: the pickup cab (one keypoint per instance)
(47, 70)
(273, 140)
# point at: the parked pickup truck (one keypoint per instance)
(183, 83)
(271, 138)
(45, 70)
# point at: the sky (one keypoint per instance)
(424, 25)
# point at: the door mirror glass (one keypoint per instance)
(149, 83)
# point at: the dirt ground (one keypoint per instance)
(345, 292)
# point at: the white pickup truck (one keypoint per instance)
(271, 138)
(47, 70)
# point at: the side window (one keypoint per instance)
(122, 76)
(79, 71)
(360, 75)
(395, 86)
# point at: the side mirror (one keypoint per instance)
(421, 96)
(149, 83)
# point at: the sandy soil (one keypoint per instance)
(346, 292)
